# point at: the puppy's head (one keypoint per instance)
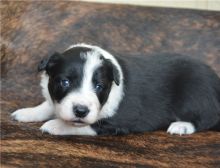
(80, 83)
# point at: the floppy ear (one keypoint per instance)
(116, 75)
(47, 63)
(115, 72)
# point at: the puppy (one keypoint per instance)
(90, 92)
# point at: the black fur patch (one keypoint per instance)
(69, 66)
(103, 76)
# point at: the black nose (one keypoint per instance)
(80, 111)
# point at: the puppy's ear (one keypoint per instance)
(47, 63)
(116, 75)
(115, 72)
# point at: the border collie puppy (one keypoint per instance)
(90, 92)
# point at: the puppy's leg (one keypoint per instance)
(41, 112)
(181, 128)
(59, 127)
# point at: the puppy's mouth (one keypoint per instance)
(77, 122)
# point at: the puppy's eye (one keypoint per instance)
(99, 87)
(65, 83)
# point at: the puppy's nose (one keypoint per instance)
(80, 111)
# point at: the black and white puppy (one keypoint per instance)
(90, 92)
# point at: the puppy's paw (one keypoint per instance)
(181, 128)
(23, 115)
(42, 112)
(55, 127)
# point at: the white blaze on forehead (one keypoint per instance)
(104, 53)
(93, 61)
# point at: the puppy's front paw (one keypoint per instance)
(23, 115)
(54, 127)
(39, 113)
(181, 128)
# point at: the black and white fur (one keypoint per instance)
(90, 92)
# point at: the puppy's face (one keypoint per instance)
(80, 81)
